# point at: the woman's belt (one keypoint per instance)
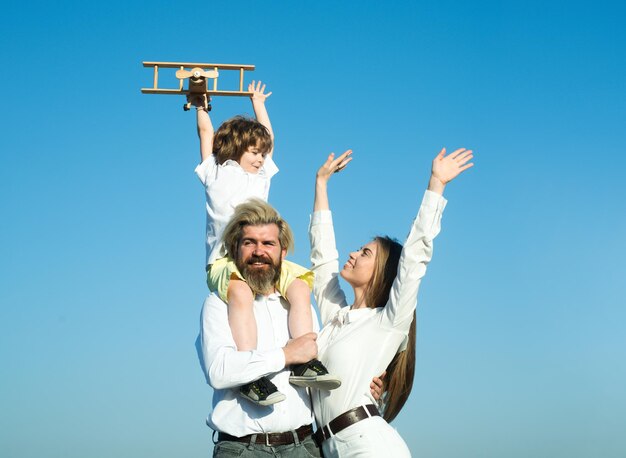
(344, 420)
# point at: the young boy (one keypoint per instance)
(236, 165)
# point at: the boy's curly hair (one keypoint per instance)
(236, 135)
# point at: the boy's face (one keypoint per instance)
(252, 160)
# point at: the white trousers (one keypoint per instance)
(372, 437)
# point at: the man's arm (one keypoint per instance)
(225, 367)
(258, 98)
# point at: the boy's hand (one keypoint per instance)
(258, 92)
(197, 100)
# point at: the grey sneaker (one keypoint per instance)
(314, 375)
(262, 392)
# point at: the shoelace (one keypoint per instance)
(318, 367)
(263, 386)
(313, 365)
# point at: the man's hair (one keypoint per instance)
(255, 212)
(235, 136)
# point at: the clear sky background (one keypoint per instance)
(521, 342)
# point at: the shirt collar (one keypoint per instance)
(232, 163)
(347, 315)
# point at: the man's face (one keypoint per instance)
(259, 257)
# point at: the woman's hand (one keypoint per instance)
(447, 168)
(333, 165)
(377, 388)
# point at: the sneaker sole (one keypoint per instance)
(273, 399)
(280, 397)
(321, 382)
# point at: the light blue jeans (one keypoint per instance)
(300, 449)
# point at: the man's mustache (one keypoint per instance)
(261, 259)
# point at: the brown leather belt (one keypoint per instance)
(270, 439)
(344, 420)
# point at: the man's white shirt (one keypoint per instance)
(226, 369)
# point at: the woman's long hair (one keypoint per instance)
(401, 370)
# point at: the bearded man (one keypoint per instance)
(257, 239)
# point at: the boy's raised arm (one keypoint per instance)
(260, 112)
(205, 127)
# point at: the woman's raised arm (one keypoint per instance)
(447, 168)
(331, 166)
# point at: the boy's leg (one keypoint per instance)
(298, 293)
(224, 278)
(241, 315)
(243, 327)
(300, 316)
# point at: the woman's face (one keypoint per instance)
(359, 268)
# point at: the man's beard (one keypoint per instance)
(260, 280)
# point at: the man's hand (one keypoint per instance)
(301, 350)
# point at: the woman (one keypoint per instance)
(377, 332)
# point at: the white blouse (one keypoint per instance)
(359, 344)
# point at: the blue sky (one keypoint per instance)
(520, 334)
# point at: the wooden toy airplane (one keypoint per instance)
(198, 76)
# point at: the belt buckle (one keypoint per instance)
(267, 440)
(327, 432)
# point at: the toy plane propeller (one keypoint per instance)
(196, 73)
